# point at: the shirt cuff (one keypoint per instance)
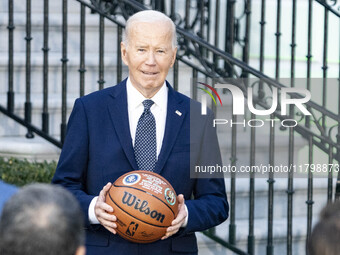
(92, 216)
(186, 218)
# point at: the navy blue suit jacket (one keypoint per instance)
(98, 149)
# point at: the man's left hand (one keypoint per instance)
(180, 219)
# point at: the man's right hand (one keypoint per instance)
(102, 211)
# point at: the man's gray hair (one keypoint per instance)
(41, 219)
(149, 16)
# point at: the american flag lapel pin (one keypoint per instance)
(178, 113)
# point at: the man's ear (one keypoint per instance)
(123, 51)
(174, 57)
(81, 250)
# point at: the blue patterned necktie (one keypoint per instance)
(145, 140)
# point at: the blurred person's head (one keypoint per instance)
(332, 210)
(325, 237)
(42, 219)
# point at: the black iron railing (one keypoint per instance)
(45, 49)
(214, 40)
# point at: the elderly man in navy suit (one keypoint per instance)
(142, 123)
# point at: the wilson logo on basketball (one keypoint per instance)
(132, 201)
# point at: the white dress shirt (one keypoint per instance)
(135, 110)
(158, 109)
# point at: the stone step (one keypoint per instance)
(55, 34)
(36, 149)
(280, 197)
(209, 247)
(37, 7)
(10, 128)
(55, 73)
(262, 148)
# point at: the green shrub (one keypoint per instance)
(20, 172)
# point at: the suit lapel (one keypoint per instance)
(118, 110)
(174, 119)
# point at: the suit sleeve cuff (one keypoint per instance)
(92, 216)
(186, 218)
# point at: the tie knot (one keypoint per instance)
(147, 104)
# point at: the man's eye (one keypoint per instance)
(160, 51)
(141, 50)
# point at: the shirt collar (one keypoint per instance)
(135, 98)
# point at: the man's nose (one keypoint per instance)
(151, 59)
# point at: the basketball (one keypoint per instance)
(144, 203)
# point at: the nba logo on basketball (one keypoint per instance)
(131, 179)
(132, 228)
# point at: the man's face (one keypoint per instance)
(149, 56)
